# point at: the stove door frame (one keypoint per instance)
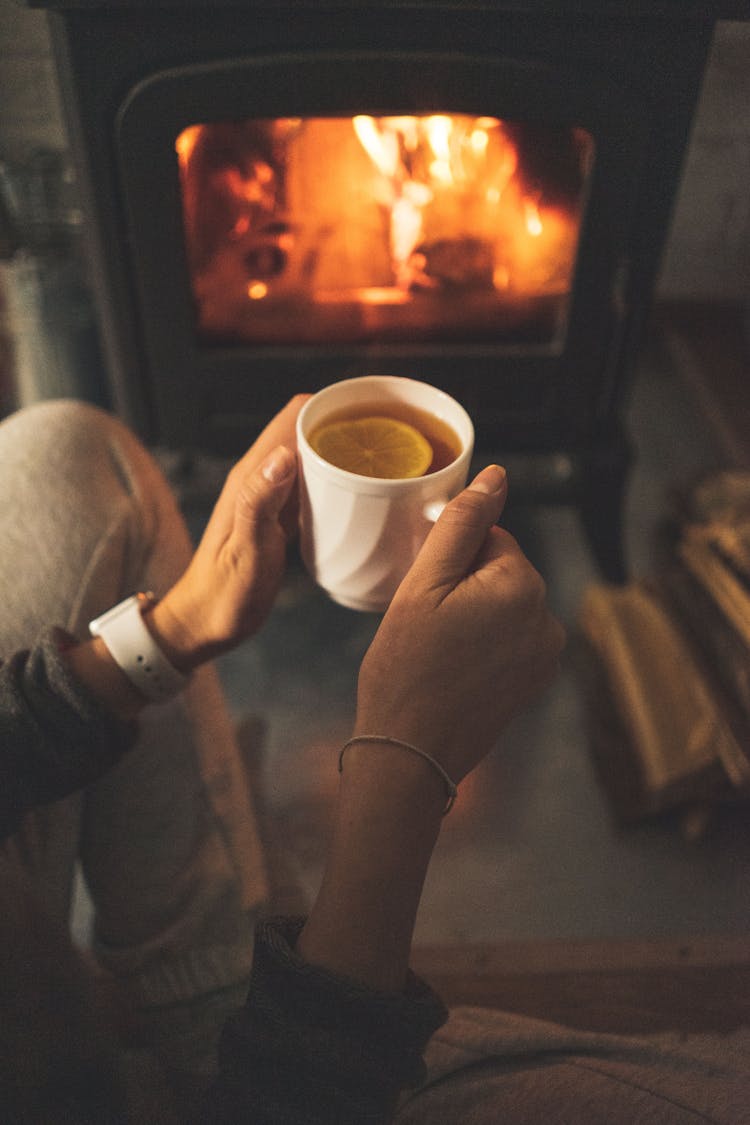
(522, 397)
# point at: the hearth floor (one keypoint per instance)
(530, 851)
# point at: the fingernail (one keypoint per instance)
(278, 465)
(490, 480)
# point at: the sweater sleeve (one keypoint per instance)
(55, 737)
(311, 1048)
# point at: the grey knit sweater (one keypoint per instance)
(55, 738)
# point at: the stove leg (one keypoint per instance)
(603, 478)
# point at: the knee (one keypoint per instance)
(56, 425)
(72, 441)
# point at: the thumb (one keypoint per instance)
(265, 491)
(457, 537)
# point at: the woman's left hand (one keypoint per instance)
(228, 589)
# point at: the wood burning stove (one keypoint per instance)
(476, 194)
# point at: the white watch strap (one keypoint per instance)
(132, 647)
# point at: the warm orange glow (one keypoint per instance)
(501, 277)
(186, 142)
(533, 221)
(420, 159)
(368, 295)
(439, 130)
(478, 141)
(381, 146)
(407, 227)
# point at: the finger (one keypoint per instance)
(498, 546)
(281, 430)
(263, 493)
(493, 481)
(459, 534)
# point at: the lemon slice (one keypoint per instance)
(373, 447)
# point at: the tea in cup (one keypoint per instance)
(380, 457)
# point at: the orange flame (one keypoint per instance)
(532, 218)
(421, 157)
(371, 213)
(380, 145)
(186, 142)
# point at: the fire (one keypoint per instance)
(453, 216)
(382, 147)
(420, 159)
(436, 164)
(478, 141)
(186, 142)
(438, 130)
(531, 215)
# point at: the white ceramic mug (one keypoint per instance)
(359, 535)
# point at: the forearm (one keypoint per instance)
(335, 1026)
(389, 816)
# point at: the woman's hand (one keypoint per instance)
(467, 641)
(231, 583)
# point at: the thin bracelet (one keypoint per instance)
(450, 787)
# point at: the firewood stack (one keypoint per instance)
(667, 667)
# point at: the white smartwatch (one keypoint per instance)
(133, 648)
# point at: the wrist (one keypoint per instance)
(94, 667)
(134, 648)
(411, 767)
(380, 781)
(171, 635)
(175, 636)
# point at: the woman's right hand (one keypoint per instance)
(467, 641)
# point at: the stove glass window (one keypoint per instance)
(442, 228)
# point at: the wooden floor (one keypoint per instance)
(628, 987)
